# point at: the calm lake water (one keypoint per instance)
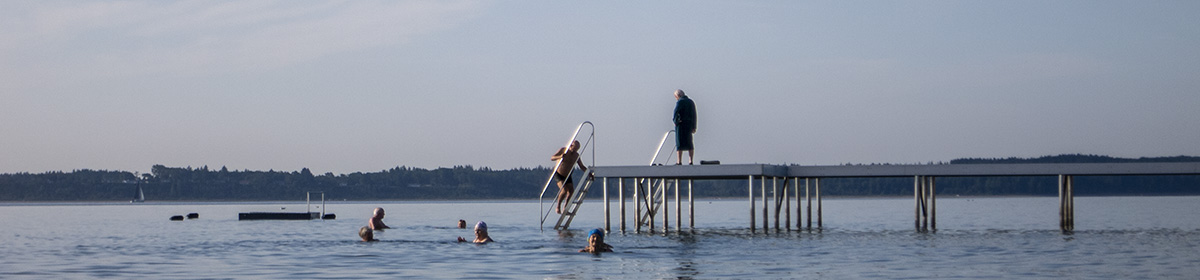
(1004, 238)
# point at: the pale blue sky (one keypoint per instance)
(364, 85)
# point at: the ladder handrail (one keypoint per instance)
(661, 143)
(583, 148)
(655, 187)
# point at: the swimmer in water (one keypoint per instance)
(366, 234)
(596, 243)
(376, 222)
(481, 234)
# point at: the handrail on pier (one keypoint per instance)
(656, 188)
(583, 148)
(661, 143)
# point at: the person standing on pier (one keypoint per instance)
(685, 126)
(567, 157)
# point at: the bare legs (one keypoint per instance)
(564, 195)
(691, 157)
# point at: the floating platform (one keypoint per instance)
(279, 216)
(308, 215)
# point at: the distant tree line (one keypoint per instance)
(467, 182)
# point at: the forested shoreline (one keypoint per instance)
(468, 182)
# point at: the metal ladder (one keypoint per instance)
(568, 215)
(655, 188)
(564, 221)
(659, 187)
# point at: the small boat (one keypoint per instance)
(140, 196)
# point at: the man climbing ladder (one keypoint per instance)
(567, 157)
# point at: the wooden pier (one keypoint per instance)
(651, 184)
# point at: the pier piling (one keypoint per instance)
(607, 213)
(775, 194)
(787, 211)
(691, 208)
(762, 185)
(809, 205)
(678, 210)
(1066, 203)
(820, 217)
(637, 205)
(621, 194)
(925, 203)
(751, 191)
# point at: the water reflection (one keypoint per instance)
(685, 256)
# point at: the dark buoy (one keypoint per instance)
(193, 216)
(177, 218)
(329, 216)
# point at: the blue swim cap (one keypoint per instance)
(596, 232)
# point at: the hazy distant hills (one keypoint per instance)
(467, 182)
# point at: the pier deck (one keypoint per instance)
(742, 171)
(651, 184)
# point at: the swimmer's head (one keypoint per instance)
(379, 211)
(595, 237)
(366, 234)
(481, 231)
(462, 224)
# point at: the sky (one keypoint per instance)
(363, 86)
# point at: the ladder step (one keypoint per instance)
(567, 215)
